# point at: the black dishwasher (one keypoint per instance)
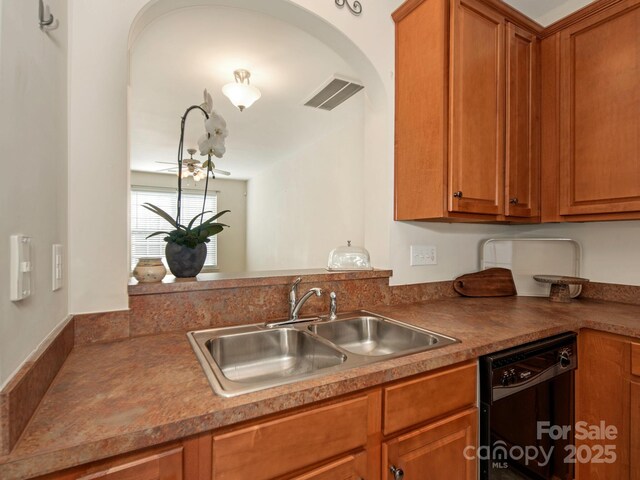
(526, 420)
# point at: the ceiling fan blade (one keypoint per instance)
(221, 172)
(168, 169)
(168, 163)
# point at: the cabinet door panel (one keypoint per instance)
(600, 113)
(634, 454)
(435, 451)
(353, 467)
(476, 153)
(522, 190)
(602, 394)
(288, 444)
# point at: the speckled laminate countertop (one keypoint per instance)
(114, 398)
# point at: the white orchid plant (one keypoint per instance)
(212, 143)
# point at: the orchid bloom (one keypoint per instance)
(212, 143)
(207, 106)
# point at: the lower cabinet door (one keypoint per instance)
(634, 456)
(352, 467)
(436, 451)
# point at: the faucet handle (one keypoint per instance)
(333, 306)
(294, 285)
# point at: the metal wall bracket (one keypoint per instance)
(46, 21)
(356, 8)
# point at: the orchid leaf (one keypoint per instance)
(158, 233)
(161, 213)
(193, 220)
(218, 215)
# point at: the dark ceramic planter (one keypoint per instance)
(185, 262)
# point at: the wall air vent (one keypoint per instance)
(335, 92)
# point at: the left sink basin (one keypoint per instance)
(246, 359)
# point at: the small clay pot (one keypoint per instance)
(149, 270)
(185, 262)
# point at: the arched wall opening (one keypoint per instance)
(108, 45)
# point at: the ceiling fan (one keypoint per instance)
(193, 167)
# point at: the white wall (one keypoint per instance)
(98, 147)
(610, 250)
(305, 205)
(232, 195)
(33, 146)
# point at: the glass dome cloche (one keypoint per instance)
(349, 258)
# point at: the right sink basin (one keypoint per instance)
(377, 336)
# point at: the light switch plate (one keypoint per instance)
(56, 267)
(20, 267)
(423, 255)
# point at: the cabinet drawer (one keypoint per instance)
(425, 398)
(635, 359)
(286, 444)
(351, 467)
(160, 465)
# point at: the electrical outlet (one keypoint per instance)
(423, 255)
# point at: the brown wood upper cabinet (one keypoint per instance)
(600, 113)
(466, 114)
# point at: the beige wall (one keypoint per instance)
(99, 148)
(232, 195)
(303, 206)
(33, 146)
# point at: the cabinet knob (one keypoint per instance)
(398, 473)
(513, 201)
(457, 194)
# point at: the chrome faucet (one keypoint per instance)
(296, 308)
(293, 293)
(294, 304)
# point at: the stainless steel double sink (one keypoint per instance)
(245, 359)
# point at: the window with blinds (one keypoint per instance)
(144, 222)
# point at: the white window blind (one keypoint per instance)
(144, 222)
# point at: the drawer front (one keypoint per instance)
(635, 359)
(351, 467)
(286, 444)
(429, 397)
(162, 465)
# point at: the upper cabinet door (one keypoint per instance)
(476, 137)
(522, 189)
(600, 113)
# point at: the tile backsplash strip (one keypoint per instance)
(21, 396)
(171, 308)
(611, 292)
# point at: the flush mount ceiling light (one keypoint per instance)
(241, 93)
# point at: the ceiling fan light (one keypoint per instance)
(241, 93)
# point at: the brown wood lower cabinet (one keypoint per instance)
(351, 467)
(435, 451)
(634, 424)
(291, 443)
(608, 391)
(189, 459)
(428, 421)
